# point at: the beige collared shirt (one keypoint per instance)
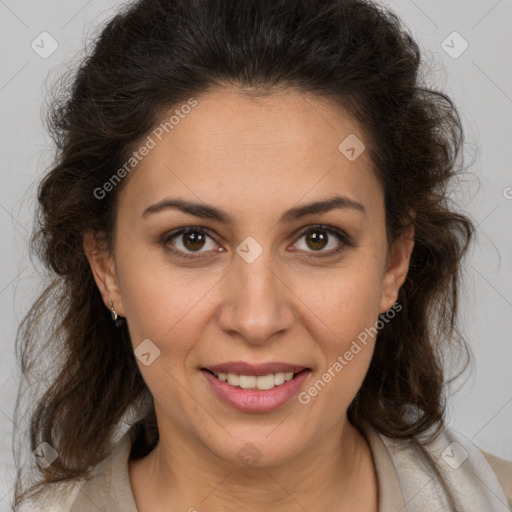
(109, 488)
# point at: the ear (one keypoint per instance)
(103, 269)
(397, 266)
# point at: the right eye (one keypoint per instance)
(190, 240)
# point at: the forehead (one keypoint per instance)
(253, 153)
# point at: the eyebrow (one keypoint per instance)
(211, 212)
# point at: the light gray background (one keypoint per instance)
(479, 80)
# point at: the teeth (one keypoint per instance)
(279, 378)
(262, 382)
(247, 381)
(233, 379)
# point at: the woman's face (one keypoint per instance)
(254, 281)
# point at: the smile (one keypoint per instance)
(262, 382)
(255, 393)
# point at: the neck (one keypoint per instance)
(331, 474)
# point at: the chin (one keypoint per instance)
(257, 448)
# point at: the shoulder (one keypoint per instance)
(109, 486)
(503, 470)
(496, 474)
(106, 488)
(462, 473)
(473, 461)
(54, 497)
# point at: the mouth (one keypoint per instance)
(255, 382)
(255, 388)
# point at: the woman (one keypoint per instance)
(255, 265)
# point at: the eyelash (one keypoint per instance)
(343, 237)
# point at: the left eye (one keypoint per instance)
(318, 238)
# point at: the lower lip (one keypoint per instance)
(255, 400)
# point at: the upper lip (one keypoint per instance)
(243, 368)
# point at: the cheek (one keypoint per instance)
(346, 348)
(159, 308)
(167, 307)
(343, 311)
(161, 301)
(344, 301)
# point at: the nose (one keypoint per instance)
(257, 302)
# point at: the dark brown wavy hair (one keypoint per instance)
(155, 54)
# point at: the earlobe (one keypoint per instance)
(102, 266)
(397, 268)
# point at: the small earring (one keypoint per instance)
(115, 317)
(113, 311)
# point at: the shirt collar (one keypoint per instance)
(390, 493)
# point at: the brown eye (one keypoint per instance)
(318, 238)
(187, 241)
(193, 241)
